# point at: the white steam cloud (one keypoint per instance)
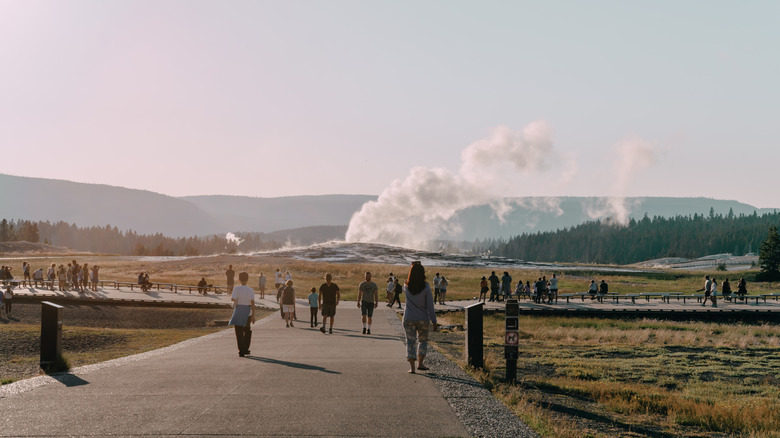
(232, 238)
(417, 209)
(632, 156)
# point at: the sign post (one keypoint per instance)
(51, 334)
(474, 336)
(511, 339)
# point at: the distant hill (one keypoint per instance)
(149, 213)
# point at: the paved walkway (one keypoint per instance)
(296, 382)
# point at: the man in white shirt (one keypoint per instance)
(243, 298)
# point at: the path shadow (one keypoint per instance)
(301, 366)
(68, 379)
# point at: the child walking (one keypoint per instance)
(313, 306)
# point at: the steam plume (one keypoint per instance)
(417, 209)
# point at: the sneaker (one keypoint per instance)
(322, 329)
(288, 325)
(364, 330)
(292, 325)
(368, 332)
(330, 331)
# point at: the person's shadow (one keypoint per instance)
(301, 366)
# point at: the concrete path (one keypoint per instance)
(296, 382)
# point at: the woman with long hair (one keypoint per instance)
(418, 316)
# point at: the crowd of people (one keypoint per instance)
(419, 315)
(74, 276)
(541, 290)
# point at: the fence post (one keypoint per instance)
(474, 335)
(51, 334)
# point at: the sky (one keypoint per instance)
(280, 98)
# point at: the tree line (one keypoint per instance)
(605, 242)
(111, 240)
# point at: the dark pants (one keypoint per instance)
(396, 298)
(493, 293)
(313, 318)
(243, 337)
(435, 295)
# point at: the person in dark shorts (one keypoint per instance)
(328, 301)
(367, 301)
(231, 276)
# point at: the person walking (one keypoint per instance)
(707, 290)
(367, 301)
(261, 285)
(330, 295)
(390, 289)
(230, 274)
(278, 279)
(313, 306)
(288, 302)
(419, 317)
(243, 298)
(397, 291)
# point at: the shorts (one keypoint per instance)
(288, 308)
(328, 310)
(367, 308)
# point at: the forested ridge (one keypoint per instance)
(645, 239)
(111, 240)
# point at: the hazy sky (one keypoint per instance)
(276, 98)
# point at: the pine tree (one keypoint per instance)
(769, 255)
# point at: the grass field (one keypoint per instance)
(577, 377)
(599, 377)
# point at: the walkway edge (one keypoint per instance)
(477, 409)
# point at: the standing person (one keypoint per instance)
(261, 285)
(8, 300)
(84, 277)
(493, 279)
(95, 278)
(418, 316)
(278, 279)
(553, 289)
(288, 277)
(279, 292)
(367, 301)
(330, 295)
(230, 274)
(62, 277)
(26, 274)
(51, 275)
(443, 283)
(436, 290)
(243, 298)
(288, 302)
(313, 306)
(506, 285)
(714, 293)
(483, 289)
(397, 290)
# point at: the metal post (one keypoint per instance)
(511, 338)
(51, 333)
(474, 335)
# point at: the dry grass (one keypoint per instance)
(620, 377)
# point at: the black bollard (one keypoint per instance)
(511, 339)
(474, 336)
(51, 334)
